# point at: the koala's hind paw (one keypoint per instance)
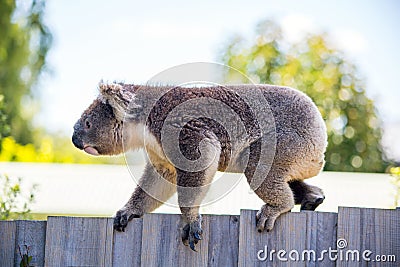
(191, 234)
(122, 218)
(312, 204)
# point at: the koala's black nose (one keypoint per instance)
(77, 142)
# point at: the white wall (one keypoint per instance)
(103, 189)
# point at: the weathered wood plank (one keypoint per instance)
(78, 241)
(30, 240)
(7, 242)
(365, 230)
(108, 255)
(223, 240)
(127, 246)
(257, 249)
(296, 240)
(321, 232)
(349, 231)
(386, 227)
(162, 244)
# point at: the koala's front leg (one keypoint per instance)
(192, 187)
(153, 189)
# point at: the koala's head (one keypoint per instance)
(99, 131)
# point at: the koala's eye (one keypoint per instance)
(87, 124)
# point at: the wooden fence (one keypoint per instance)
(298, 239)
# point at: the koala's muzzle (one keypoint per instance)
(77, 141)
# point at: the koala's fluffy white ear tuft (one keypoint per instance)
(120, 99)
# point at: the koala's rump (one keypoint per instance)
(300, 132)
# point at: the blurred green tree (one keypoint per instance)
(24, 43)
(4, 128)
(332, 81)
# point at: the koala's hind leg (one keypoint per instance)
(157, 185)
(308, 196)
(278, 198)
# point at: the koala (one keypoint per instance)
(127, 117)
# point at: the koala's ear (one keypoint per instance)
(120, 99)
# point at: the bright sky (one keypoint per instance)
(135, 40)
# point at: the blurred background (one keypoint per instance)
(343, 54)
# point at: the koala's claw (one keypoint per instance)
(191, 234)
(122, 218)
(264, 222)
(197, 236)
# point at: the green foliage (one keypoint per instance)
(332, 81)
(24, 43)
(25, 258)
(50, 149)
(4, 128)
(25, 261)
(13, 204)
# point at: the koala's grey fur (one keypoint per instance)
(124, 115)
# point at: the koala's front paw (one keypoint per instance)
(191, 234)
(122, 218)
(265, 218)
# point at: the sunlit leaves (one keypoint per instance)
(4, 128)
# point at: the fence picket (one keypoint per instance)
(30, 240)
(72, 241)
(162, 244)
(364, 229)
(127, 246)
(8, 231)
